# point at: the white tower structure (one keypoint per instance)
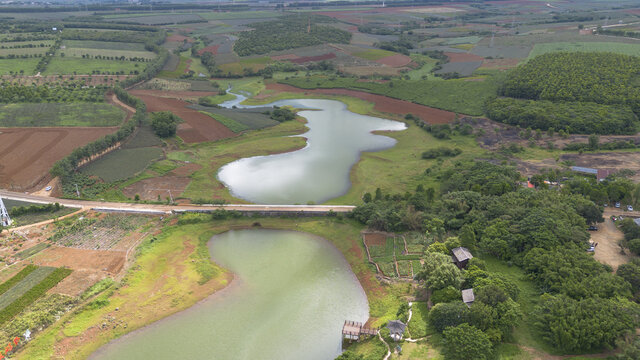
(5, 220)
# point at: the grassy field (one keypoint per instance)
(15, 66)
(24, 51)
(231, 124)
(179, 71)
(374, 54)
(72, 65)
(105, 45)
(424, 70)
(32, 250)
(62, 114)
(620, 48)
(122, 164)
(33, 218)
(237, 68)
(460, 95)
(238, 15)
(19, 289)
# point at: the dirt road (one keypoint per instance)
(608, 251)
(167, 209)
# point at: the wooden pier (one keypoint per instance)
(353, 330)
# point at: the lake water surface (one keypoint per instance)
(291, 294)
(318, 172)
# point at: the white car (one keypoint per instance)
(629, 208)
(48, 188)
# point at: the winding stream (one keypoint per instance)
(291, 294)
(318, 172)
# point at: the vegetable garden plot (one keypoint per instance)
(94, 234)
(21, 288)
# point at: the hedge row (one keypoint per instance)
(33, 294)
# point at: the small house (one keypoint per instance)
(461, 256)
(396, 329)
(468, 297)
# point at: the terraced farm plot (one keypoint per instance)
(128, 54)
(17, 66)
(32, 250)
(122, 163)
(102, 234)
(106, 45)
(404, 268)
(21, 288)
(73, 65)
(60, 114)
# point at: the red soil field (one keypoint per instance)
(27, 154)
(178, 38)
(305, 59)
(285, 57)
(182, 95)
(211, 49)
(398, 60)
(463, 57)
(196, 128)
(381, 103)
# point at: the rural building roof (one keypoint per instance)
(461, 254)
(637, 221)
(396, 327)
(467, 296)
(603, 174)
(584, 170)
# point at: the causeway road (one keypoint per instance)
(168, 209)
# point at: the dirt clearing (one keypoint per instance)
(381, 103)
(608, 251)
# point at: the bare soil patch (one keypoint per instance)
(398, 60)
(608, 251)
(375, 238)
(186, 170)
(181, 95)
(381, 103)
(285, 57)
(210, 49)
(82, 259)
(196, 128)
(178, 38)
(151, 189)
(27, 154)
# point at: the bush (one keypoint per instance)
(441, 152)
(465, 342)
(164, 123)
(282, 114)
(445, 295)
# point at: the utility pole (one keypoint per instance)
(5, 220)
(77, 191)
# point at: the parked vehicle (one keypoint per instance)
(618, 204)
(593, 228)
(629, 208)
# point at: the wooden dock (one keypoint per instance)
(353, 330)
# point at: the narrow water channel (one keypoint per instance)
(321, 170)
(291, 294)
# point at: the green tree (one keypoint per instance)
(439, 272)
(466, 342)
(444, 315)
(164, 123)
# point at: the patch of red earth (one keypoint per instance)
(462, 57)
(182, 95)
(186, 69)
(381, 103)
(397, 60)
(378, 239)
(196, 128)
(305, 59)
(186, 170)
(158, 188)
(178, 38)
(285, 57)
(213, 49)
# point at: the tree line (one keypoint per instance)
(70, 92)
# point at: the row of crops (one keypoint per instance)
(27, 286)
(397, 256)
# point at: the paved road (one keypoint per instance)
(158, 209)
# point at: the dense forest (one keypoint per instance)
(572, 117)
(604, 78)
(288, 33)
(584, 306)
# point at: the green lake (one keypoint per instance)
(291, 294)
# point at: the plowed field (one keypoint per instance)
(27, 154)
(196, 128)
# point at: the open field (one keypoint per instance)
(128, 54)
(18, 66)
(71, 65)
(27, 154)
(251, 118)
(103, 45)
(63, 114)
(89, 80)
(620, 48)
(122, 163)
(23, 51)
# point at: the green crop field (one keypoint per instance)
(27, 66)
(463, 40)
(122, 164)
(231, 124)
(238, 67)
(144, 137)
(620, 48)
(107, 45)
(179, 71)
(250, 118)
(78, 52)
(59, 114)
(238, 15)
(21, 288)
(23, 51)
(374, 54)
(32, 250)
(72, 65)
